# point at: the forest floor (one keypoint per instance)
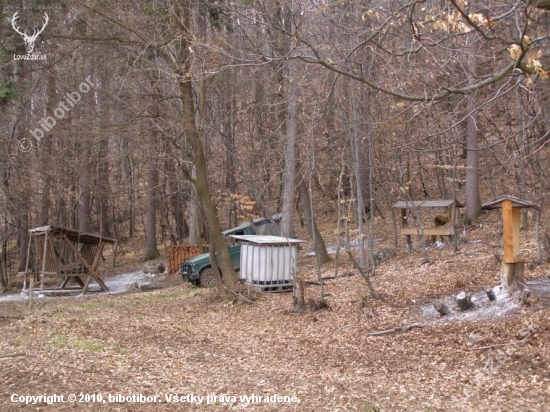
(182, 340)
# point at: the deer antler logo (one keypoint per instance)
(29, 40)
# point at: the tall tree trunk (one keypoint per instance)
(291, 133)
(358, 176)
(201, 183)
(177, 203)
(151, 251)
(194, 226)
(230, 180)
(3, 279)
(23, 235)
(473, 202)
(103, 187)
(311, 224)
(46, 145)
(522, 178)
(364, 138)
(85, 201)
(129, 183)
(259, 135)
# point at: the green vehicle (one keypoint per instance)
(199, 271)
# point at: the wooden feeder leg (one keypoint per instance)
(404, 224)
(512, 276)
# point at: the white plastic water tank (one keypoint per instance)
(267, 261)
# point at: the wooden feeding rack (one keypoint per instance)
(68, 254)
(511, 215)
(512, 263)
(406, 206)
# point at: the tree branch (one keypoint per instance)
(393, 330)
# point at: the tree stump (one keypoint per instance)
(298, 297)
(441, 307)
(490, 294)
(511, 275)
(522, 296)
(464, 301)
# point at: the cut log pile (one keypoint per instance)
(179, 254)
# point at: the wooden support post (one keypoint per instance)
(91, 271)
(27, 263)
(94, 273)
(512, 269)
(512, 276)
(512, 264)
(44, 261)
(510, 231)
(403, 225)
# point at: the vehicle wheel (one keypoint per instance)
(207, 278)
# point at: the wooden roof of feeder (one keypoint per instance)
(516, 202)
(72, 235)
(411, 204)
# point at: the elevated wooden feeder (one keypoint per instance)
(512, 262)
(409, 205)
(66, 253)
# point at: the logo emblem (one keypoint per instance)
(29, 40)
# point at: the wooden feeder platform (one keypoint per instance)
(406, 207)
(68, 254)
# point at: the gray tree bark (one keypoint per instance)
(311, 224)
(473, 202)
(103, 186)
(291, 133)
(151, 251)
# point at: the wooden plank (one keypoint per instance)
(49, 273)
(74, 274)
(427, 231)
(95, 264)
(66, 291)
(404, 224)
(27, 263)
(423, 204)
(68, 278)
(91, 271)
(508, 231)
(44, 261)
(516, 217)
